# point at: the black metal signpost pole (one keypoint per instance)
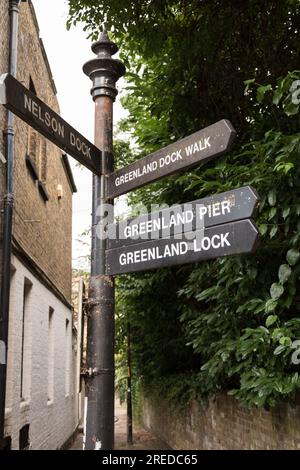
(129, 391)
(99, 427)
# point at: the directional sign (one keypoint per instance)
(200, 245)
(199, 147)
(25, 104)
(221, 208)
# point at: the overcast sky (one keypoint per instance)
(67, 51)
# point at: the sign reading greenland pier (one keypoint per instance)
(26, 105)
(218, 209)
(199, 147)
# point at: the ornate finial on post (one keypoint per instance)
(104, 71)
(14, 5)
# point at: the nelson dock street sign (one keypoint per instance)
(26, 105)
(185, 153)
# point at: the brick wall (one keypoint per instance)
(42, 229)
(42, 232)
(223, 424)
(51, 421)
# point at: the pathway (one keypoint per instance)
(142, 439)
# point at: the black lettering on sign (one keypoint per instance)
(200, 245)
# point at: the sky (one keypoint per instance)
(67, 51)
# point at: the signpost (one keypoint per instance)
(207, 228)
(214, 210)
(199, 147)
(200, 245)
(25, 104)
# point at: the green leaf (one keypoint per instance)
(277, 334)
(295, 378)
(273, 231)
(272, 213)
(286, 212)
(272, 197)
(277, 96)
(270, 305)
(279, 350)
(271, 319)
(285, 341)
(261, 91)
(284, 167)
(276, 291)
(248, 83)
(289, 107)
(282, 88)
(263, 228)
(284, 273)
(292, 256)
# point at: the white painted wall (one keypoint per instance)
(51, 421)
(79, 381)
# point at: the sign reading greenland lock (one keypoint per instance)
(200, 245)
(198, 147)
(25, 104)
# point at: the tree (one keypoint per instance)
(228, 324)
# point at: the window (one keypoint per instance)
(43, 161)
(26, 343)
(37, 155)
(36, 158)
(36, 161)
(34, 147)
(50, 356)
(68, 356)
(31, 86)
(33, 137)
(24, 438)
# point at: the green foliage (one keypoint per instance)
(121, 377)
(230, 324)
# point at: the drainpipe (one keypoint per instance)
(7, 217)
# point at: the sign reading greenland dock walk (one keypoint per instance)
(26, 105)
(199, 147)
(200, 245)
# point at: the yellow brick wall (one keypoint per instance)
(42, 229)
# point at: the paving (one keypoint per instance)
(142, 438)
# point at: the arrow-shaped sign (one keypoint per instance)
(25, 104)
(218, 209)
(200, 245)
(188, 152)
